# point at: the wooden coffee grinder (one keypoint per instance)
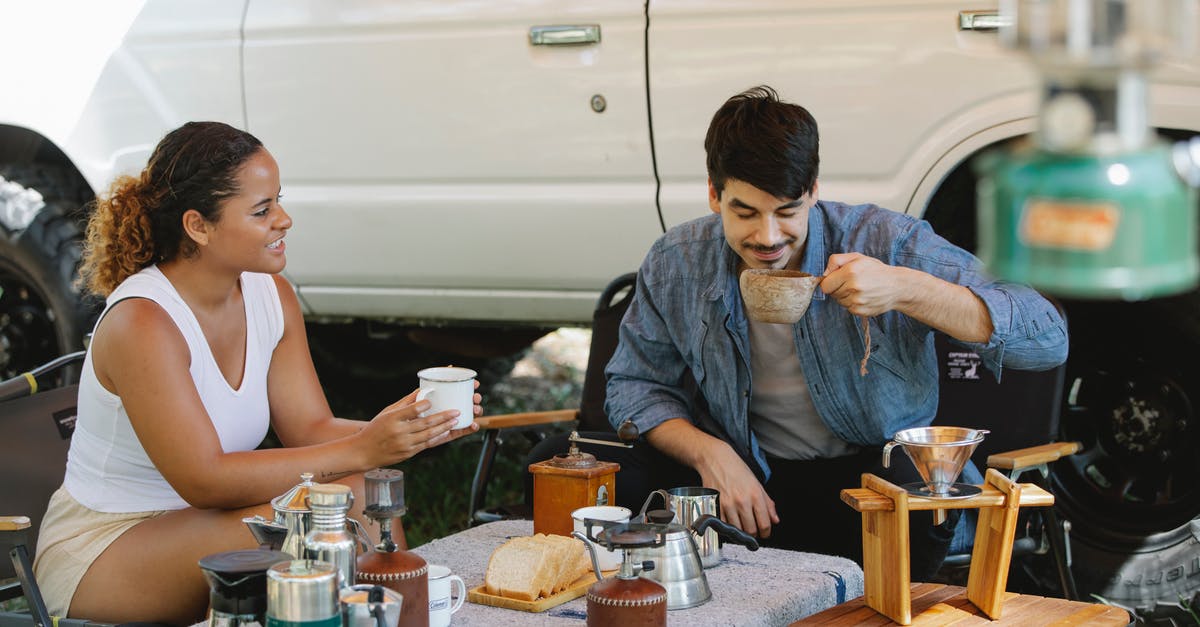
(565, 483)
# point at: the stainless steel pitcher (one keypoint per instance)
(689, 504)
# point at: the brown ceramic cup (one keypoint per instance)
(777, 296)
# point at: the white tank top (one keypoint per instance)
(107, 468)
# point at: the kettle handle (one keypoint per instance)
(724, 530)
(649, 498)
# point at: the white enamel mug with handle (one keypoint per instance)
(442, 600)
(449, 387)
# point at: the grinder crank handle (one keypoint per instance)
(725, 531)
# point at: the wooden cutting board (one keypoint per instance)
(479, 594)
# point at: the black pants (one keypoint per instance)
(807, 495)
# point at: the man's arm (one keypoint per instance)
(744, 501)
(868, 287)
(942, 286)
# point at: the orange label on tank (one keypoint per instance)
(1070, 225)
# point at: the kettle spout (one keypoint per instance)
(269, 534)
(591, 549)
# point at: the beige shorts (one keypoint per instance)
(71, 538)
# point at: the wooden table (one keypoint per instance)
(939, 604)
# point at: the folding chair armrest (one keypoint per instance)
(526, 419)
(1033, 456)
(14, 523)
(490, 427)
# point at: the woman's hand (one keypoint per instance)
(469, 429)
(399, 431)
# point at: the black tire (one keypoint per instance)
(42, 311)
(1131, 492)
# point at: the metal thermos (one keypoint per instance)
(329, 541)
(303, 593)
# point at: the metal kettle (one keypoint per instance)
(293, 521)
(679, 567)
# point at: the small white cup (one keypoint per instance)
(441, 602)
(446, 388)
(607, 558)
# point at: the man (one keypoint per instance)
(778, 417)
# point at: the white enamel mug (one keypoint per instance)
(448, 387)
(442, 602)
(606, 558)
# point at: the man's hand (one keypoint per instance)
(863, 285)
(866, 286)
(744, 502)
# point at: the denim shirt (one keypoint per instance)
(687, 327)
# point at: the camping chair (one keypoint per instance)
(606, 319)
(1021, 412)
(35, 427)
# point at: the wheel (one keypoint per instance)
(42, 311)
(1130, 493)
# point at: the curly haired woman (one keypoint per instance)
(201, 348)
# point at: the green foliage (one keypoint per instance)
(438, 481)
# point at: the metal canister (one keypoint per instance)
(303, 593)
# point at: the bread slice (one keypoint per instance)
(536, 566)
(519, 569)
(573, 561)
(556, 555)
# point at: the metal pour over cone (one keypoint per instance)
(939, 453)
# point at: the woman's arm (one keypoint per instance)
(141, 356)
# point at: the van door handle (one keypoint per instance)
(982, 20)
(564, 35)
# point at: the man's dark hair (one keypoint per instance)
(758, 139)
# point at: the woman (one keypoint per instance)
(200, 348)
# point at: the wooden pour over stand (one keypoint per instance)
(885, 508)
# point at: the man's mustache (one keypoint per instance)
(767, 250)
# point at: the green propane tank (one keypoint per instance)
(1089, 226)
(1098, 206)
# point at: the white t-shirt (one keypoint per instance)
(782, 413)
(107, 468)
